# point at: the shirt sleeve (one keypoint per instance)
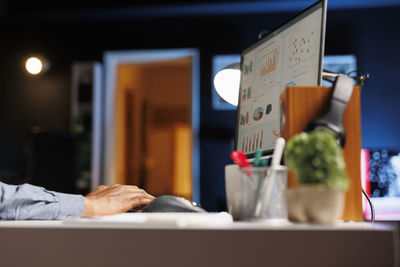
(29, 202)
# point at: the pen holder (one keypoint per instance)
(256, 193)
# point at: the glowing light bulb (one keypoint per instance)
(34, 65)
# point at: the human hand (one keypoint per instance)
(108, 200)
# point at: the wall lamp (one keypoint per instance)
(226, 83)
(36, 65)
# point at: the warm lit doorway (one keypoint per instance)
(152, 120)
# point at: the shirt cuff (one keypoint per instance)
(70, 205)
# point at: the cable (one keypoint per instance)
(329, 76)
(371, 206)
(360, 77)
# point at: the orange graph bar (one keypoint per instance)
(270, 64)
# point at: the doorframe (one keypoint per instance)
(111, 61)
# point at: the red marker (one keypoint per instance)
(241, 160)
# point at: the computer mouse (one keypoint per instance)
(170, 203)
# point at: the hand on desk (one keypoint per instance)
(108, 200)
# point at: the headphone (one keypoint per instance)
(332, 119)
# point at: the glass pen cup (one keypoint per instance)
(261, 195)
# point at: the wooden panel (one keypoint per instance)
(129, 156)
(148, 95)
(127, 115)
(182, 178)
(169, 161)
(301, 105)
(160, 161)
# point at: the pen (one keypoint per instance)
(241, 160)
(257, 158)
(260, 181)
(278, 151)
(276, 160)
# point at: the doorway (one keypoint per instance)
(151, 121)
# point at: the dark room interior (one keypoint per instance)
(37, 143)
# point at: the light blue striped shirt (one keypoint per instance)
(29, 202)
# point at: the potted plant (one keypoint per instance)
(316, 158)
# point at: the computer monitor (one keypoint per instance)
(344, 64)
(290, 55)
(380, 177)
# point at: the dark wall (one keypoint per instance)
(372, 35)
(25, 101)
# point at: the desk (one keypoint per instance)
(54, 243)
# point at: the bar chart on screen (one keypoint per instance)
(270, 63)
(253, 141)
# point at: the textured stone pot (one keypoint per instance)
(315, 204)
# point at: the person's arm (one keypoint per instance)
(24, 202)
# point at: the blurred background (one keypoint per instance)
(128, 98)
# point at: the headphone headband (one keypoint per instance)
(332, 120)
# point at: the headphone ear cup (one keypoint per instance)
(341, 137)
(310, 126)
(332, 119)
(318, 125)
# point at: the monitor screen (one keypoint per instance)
(380, 176)
(289, 55)
(345, 64)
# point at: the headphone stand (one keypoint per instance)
(300, 105)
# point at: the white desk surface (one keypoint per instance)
(93, 223)
(83, 242)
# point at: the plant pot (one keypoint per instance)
(315, 204)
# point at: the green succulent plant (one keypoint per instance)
(316, 158)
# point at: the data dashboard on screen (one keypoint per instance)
(290, 55)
